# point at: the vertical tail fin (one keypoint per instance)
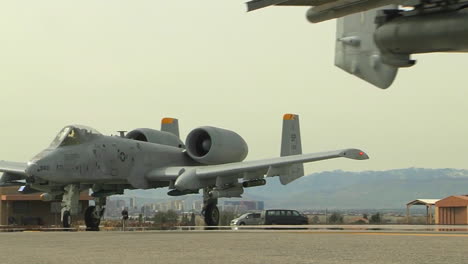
(291, 136)
(291, 145)
(170, 125)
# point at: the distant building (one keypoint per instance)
(133, 203)
(114, 208)
(197, 205)
(147, 210)
(429, 203)
(29, 209)
(452, 210)
(174, 205)
(243, 206)
(360, 220)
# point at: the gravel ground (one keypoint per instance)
(233, 247)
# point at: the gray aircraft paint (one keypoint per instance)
(170, 125)
(375, 38)
(291, 145)
(81, 158)
(116, 160)
(357, 53)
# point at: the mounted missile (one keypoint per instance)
(229, 192)
(254, 183)
(180, 193)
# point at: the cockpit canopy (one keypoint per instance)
(73, 135)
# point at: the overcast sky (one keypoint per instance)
(121, 64)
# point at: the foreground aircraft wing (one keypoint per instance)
(326, 9)
(191, 178)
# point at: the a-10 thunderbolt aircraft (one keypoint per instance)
(80, 158)
(376, 37)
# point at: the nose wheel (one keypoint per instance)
(66, 219)
(70, 201)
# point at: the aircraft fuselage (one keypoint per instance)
(104, 159)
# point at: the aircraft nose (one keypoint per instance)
(32, 169)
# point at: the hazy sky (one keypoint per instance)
(121, 64)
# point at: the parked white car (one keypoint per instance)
(248, 219)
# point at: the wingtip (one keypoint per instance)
(356, 154)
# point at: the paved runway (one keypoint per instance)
(234, 247)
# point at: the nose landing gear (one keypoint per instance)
(70, 201)
(70, 207)
(66, 219)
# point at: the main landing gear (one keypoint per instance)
(210, 210)
(93, 214)
(70, 207)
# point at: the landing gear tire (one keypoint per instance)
(66, 219)
(211, 215)
(92, 219)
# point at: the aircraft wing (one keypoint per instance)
(192, 178)
(326, 9)
(13, 167)
(12, 172)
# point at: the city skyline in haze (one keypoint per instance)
(120, 65)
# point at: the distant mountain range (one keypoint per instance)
(346, 190)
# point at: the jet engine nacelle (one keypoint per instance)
(155, 136)
(212, 145)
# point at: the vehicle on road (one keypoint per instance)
(272, 217)
(248, 219)
(283, 217)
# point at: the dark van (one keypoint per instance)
(283, 217)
